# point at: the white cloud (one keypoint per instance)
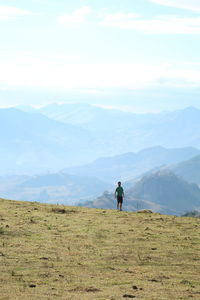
(184, 4)
(30, 71)
(75, 76)
(166, 24)
(119, 17)
(180, 78)
(11, 12)
(77, 17)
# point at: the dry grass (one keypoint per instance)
(57, 252)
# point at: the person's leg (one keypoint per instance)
(121, 201)
(117, 204)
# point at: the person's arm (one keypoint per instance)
(115, 193)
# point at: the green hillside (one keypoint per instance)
(56, 252)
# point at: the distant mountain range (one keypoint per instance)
(52, 188)
(31, 142)
(130, 165)
(188, 169)
(171, 189)
(62, 136)
(95, 147)
(161, 192)
(67, 188)
(179, 128)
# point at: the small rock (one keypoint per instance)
(92, 289)
(153, 280)
(32, 285)
(128, 296)
(135, 287)
(145, 211)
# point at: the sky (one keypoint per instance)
(135, 55)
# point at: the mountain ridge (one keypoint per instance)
(130, 165)
(161, 192)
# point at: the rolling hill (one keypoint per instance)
(161, 192)
(61, 252)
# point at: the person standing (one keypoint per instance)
(119, 195)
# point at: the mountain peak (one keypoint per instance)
(191, 110)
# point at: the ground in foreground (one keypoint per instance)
(58, 252)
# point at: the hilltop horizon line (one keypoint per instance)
(125, 109)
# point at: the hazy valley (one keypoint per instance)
(74, 153)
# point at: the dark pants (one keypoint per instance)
(119, 199)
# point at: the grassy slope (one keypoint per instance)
(96, 254)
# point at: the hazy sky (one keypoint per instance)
(140, 54)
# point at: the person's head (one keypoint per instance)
(119, 183)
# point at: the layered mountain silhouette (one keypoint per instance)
(188, 169)
(130, 165)
(51, 188)
(116, 132)
(106, 145)
(162, 192)
(33, 142)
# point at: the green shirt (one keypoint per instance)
(119, 190)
